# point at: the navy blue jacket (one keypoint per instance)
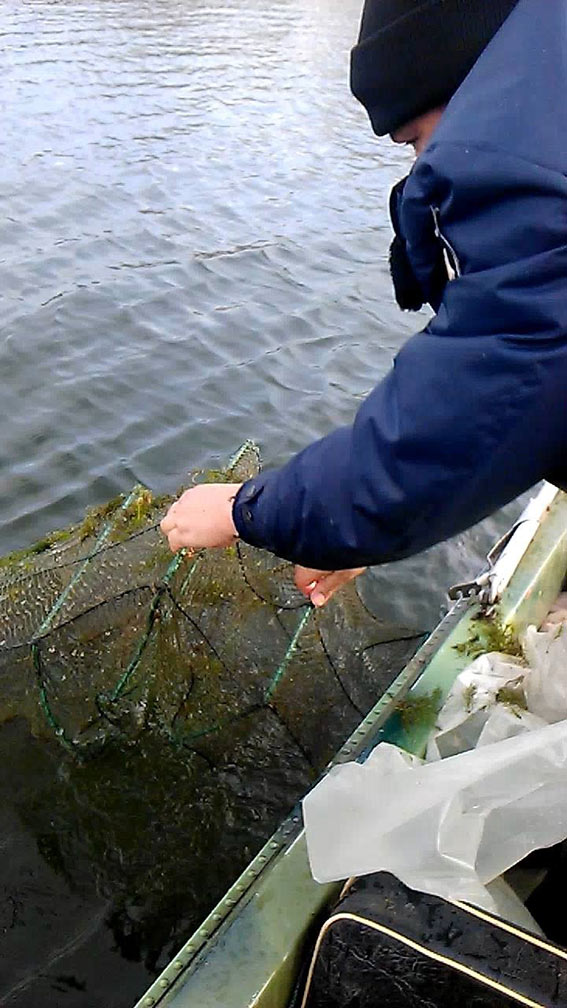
(474, 410)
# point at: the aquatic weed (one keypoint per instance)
(419, 711)
(489, 634)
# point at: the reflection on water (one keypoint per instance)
(193, 251)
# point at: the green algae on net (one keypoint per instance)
(204, 687)
(111, 636)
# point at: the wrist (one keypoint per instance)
(230, 524)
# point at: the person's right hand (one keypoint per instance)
(202, 517)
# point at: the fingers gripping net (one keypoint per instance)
(116, 637)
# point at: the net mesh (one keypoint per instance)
(118, 637)
(201, 693)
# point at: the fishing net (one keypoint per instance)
(116, 636)
(196, 697)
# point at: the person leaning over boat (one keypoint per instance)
(474, 409)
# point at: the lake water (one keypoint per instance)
(192, 252)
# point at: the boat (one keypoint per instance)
(249, 950)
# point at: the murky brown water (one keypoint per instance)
(192, 252)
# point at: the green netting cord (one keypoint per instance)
(47, 624)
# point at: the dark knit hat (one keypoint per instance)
(412, 55)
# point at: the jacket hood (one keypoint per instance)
(513, 99)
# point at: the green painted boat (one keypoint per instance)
(248, 951)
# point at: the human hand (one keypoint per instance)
(202, 517)
(319, 586)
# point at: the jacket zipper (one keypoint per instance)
(449, 255)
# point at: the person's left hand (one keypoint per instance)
(202, 517)
(319, 586)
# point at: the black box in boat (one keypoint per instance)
(385, 944)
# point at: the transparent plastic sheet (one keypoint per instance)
(450, 827)
(486, 704)
(499, 696)
(545, 682)
(492, 789)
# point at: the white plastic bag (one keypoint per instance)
(506, 721)
(557, 613)
(474, 700)
(545, 682)
(448, 827)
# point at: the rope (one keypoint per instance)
(152, 616)
(60, 602)
(103, 536)
(48, 622)
(280, 671)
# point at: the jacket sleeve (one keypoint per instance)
(473, 411)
